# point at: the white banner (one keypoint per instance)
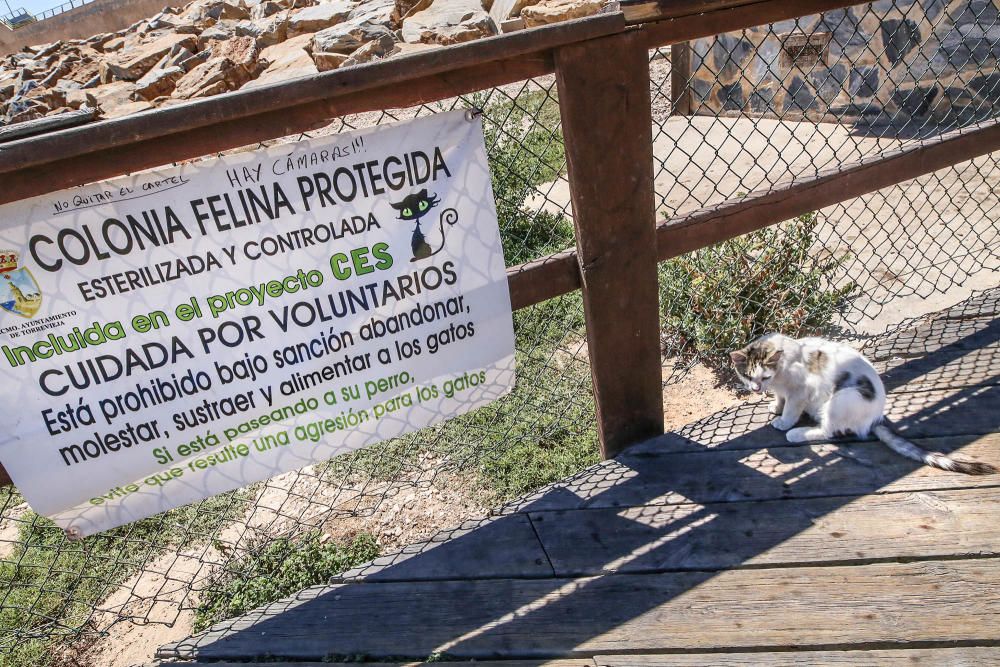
(175, 334)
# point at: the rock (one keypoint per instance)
(222, 30)
(79, 98)
(328, 61)
(241, 51)
(272, 30)
(374, 50)
(158, 82)
(449, 23)
(127, 109)
(287, 61)
(405, 8)
(204, 13)
(113, 44)
(25, 110)
(110, 96)
(319, 16)
(190, 62)
(347, 37)
(264, 9)
(84, 70)
(218, 75)
(507, 9)
(167, 21)
(405, 49)
(97, 41)
(131, 64)
(376, 11)
(553, 11)
(50, 97)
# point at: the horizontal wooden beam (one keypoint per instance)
(666, 22)
(791, 198)
(148, 139)
(543, 279)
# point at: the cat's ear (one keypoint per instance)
(773, 359)
(738, 357)
(399, 206)
(422, 194)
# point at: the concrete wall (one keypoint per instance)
(80, 22)
(908, 62)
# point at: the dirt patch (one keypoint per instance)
(161, 599)
(697, 394)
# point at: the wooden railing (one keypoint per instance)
(602, 73)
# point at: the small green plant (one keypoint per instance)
(719, 298)
(275, 569)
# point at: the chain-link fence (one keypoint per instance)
(849, 270)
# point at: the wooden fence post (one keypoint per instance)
(606, 117)
(680, 73)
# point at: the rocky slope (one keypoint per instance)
(209, 47)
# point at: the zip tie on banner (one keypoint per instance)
(473, 113)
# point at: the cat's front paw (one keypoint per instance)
(782, 424)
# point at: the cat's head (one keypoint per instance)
(416, 206)
(757, 363)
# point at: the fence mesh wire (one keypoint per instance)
(755, 119)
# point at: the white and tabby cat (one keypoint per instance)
(834, 384)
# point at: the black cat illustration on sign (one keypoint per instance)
(413, 208)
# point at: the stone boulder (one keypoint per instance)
(158, 82)
(288, 60)
(132, 64)
(128, 109)
(205, 13)
(218, 75)
(318, 17)
(377, 49)
(110, 96)
(449, 23)
(328, 61)
(264, 9)
(268, 32)
(233, 64)
(554, 11)
(347, 37)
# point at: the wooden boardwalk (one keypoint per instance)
(720, 544)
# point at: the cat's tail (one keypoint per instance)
(901, 445)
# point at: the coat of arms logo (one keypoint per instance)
(19, 293)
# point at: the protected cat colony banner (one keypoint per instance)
(175, 334)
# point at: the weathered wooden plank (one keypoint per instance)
(654, 476)
(579, 662)
(606, 117)
(973, 656)
(46, 124)
(878, 605)
(503, 546)
(713, 536)
(793, 197)
(919, 414)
